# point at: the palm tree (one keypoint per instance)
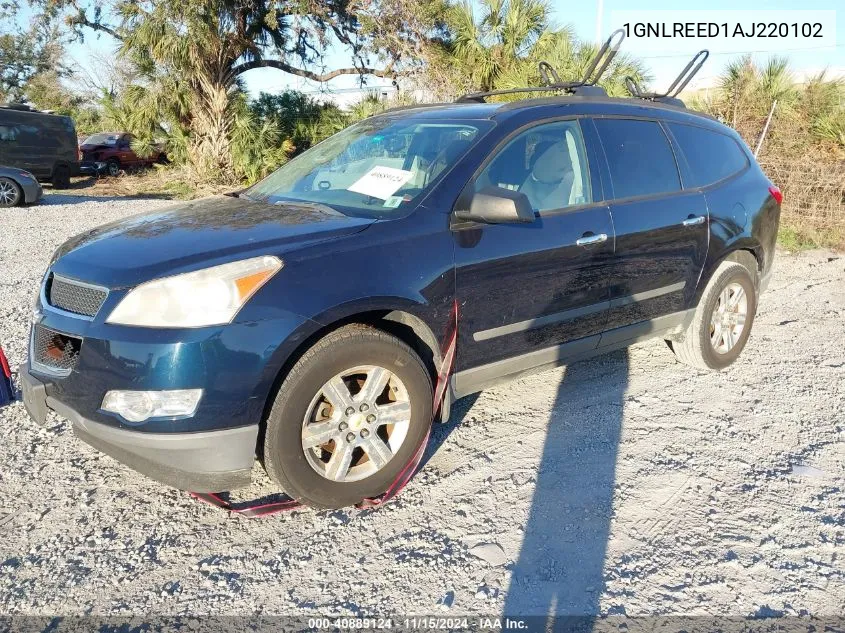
(502, 47)
(806, 114)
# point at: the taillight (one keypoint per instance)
(776, 194)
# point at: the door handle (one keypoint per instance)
(694, 220)
(588, 239)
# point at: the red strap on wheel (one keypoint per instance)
(250, 509)
(254, 509)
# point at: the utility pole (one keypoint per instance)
(599, 12)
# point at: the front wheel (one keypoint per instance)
(10, 193)
(722, 321)
(348, 419)
(113, 167)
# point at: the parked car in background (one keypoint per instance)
(18, 187)
(40, 143)
(110, 152)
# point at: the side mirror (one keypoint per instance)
(497, 205)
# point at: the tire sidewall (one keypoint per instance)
(19, 191)
(284, 457)
(734, 274)
(113, 162)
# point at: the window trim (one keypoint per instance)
(715, 183)
(670, 141)
(457, 225)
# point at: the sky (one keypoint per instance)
(664, 57)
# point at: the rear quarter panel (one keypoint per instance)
(743, 216)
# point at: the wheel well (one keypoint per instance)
(20, 186)
(403, 325)
(750, 259)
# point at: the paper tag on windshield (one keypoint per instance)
(381, 182)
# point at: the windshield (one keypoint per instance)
(102, 139)
(375, 168)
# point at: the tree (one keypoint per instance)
(808, 114)
(25, 52)
(502, 47)
(207, 45)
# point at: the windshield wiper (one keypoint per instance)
(317, 206)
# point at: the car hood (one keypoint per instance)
(194, 235)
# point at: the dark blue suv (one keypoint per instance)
(320, 319)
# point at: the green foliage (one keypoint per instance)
(804, 237)
(808, 116)
(25, 53)
(299, 117)
(258, 145)
(46, 91)
(502, 47)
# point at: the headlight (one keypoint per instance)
(212, 296)
(138, 406)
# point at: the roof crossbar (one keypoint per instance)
(681, 81)
(551, 80)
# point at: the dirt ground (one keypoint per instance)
(629, 484)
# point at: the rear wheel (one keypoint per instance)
(11, 194)
(61, 177)
(348, 418)
(722, 322)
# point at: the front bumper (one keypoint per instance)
(211, 461)
(32, 192)
(92, 167)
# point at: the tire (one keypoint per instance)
(696, 347)
(306, 473)
(61, 177)
(11, 194)
(113, 167)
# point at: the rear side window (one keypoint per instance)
(639, 156)
(711, 156)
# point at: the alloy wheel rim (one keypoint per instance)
(356, 423)
(8, 193)
(727, 322)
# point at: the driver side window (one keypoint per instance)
(547, 163)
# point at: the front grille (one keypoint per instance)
(75, 297)
(53, 350)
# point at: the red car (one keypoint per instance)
(109, 152)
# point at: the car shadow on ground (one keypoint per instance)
(559, 571)
(441, 431)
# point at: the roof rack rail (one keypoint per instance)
(22, 107)
(671, 95)
(586, 87)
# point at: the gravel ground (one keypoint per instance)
(628, 484)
